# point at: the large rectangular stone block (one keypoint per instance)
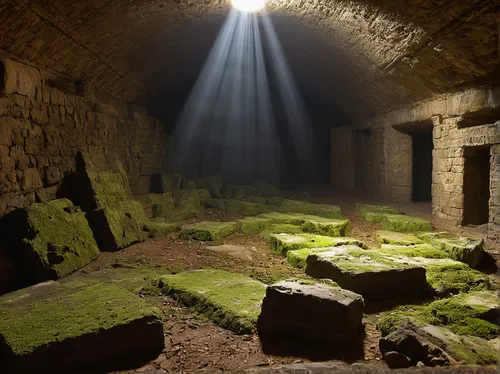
(19, 78)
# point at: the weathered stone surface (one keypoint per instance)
(375, 276)
(244, 207)
(417, 250)
(374, 213)
(231, 300)
(254, 225)
(321, 210)
(396, 360)
(238, 191)
(237, 251)
(52, 327)
(311, 224)
(118, 225)
(397, 238)
(280, 228)
(161, 227)
(462, 249)
(20, 79)
(208, 230)
(268, 190)
(402, 223)
(50, 240)
(282, 243)
(159, 205)
(212, 184)
(308, 311)
(163, 183)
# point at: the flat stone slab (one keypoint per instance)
(51, 240)
(417, 250)
(52, 327)
(239, 191)
(282, 243)
(280, 228)
(303, 207)
(309, 311)
(254, 225)
(245, 207)
(160, 205)
(237, 251)
(468, 250)
(397, 238)
(213, 184)
(374, 275)
(402, 223)
(231, 300)
(208, 230)
(375, 213)
(161, 227)
(298, 258)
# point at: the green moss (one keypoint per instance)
(280, 228)
(243, 207)
(217, 204)
(418, 250)
(200, 196)
(254, 199)
(47, 314)
(212, 184)
(375, 213)
(402, 223)
(321, 210)
(188, 184)
(468, 250)
(397, 238)
(298, 258)
(171, 182)
(275, 200)
(238, 191)
(333, 227)
(160, 227)
(107, 188)
(56, 238)
(208, 230)
(230, 300)
(267, 189)
(254, 225)
(282, 243)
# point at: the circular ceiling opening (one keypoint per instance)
(249, 6)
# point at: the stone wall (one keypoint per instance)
(343, 161)
(43, 127)
(494, 225)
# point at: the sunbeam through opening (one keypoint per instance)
(249, 6)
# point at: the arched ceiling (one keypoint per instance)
(363, 56)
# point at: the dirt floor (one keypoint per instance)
(193, 343)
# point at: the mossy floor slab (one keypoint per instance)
(417, 250)
(161, 227)
(303, 207)
(467, 250)
(375, 213)
(254, 225)
(374, 275)
(298, 257)
(41, 324)
(208, 230)
(231, 300)
(280, 228)
(402, 223)
(282, 243)
(397, 238)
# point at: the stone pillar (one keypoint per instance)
(494, 223)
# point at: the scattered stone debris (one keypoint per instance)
(309, 311)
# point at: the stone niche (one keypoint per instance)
(45, 122)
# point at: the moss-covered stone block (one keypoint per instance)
(199, 195)
(275, 200)
(161, 227)
(298, 257)
(253, 225)
(50, 240)
(417, 250)
(217, 204)
(52, 327)
(188, 184)
(163, 183)
(212, 184)
(374, 275)
(161, 205)
(321, 210)
(463, 249)
(279, 228)
(118, 225)
(239, 191)
(375, 213)
(208, 230)
(255, 199)
(243, 207)
(231, 300)
(402, 223)
(267, 189)
(397, 238)
(282, 243)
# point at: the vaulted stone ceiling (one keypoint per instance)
(363, 56)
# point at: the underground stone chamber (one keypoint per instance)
(230, 186)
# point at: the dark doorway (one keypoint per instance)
(422, 166)
(364, 163)
(476, 185)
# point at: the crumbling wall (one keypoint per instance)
(494, 225)
(42, 128)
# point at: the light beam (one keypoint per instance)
(249, 6)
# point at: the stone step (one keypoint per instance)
(460, 248)
(231, 300)
(303, 207)
(282, 243)
(375, 213)
(208, 230)
(376, 276)
(55, 328)
(402, 223)
(397, 238)
(161, 227)
(416, 250)
(254, 225)
(308, 311)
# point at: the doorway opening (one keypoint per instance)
(422, 166)
(476, 185)
(364, 164)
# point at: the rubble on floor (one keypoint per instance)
(53, 327)
(231, 300)
(308, 311)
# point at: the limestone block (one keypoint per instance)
(31, 180)
(322, 210)
(51, 328)
(21, 79)
(397, 238)
(161, 227)
(253, 225)
(282, 243)
(402, 223)
(51, 240)
(374, 213)
(208, 230)
(309, 311)
(375, 276)
(212, 184)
